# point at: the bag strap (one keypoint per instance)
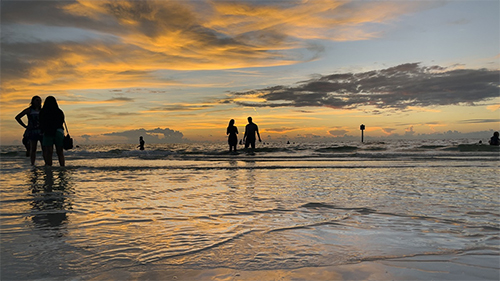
(66, 126)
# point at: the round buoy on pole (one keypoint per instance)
(362, 128)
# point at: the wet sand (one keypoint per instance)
(272, 218)
(439, 267)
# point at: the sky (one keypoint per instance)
(178, 71)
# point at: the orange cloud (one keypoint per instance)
(280, 130)
(493, 107)
(133, 40)
(433, 126)
(328, 19)
(180, 107)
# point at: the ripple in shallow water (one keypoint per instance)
(88, 220)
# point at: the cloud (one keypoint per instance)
(120, 99)
(388, 131)
(268, 21)
(480, 121)
(336, 132)
(86, 137)
(87, 44)
(493, 107)
(280, 130)
(157, 135)
(400, 87)
(180, 107)
(409, 131)
(130, 41)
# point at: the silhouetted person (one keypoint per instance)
(494, 139)
(232, 131)
(141, 143)
(51, 124)
(33, 133)
(250, 130)
(26, 143)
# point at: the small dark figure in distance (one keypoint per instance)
(141, 143)
(32, 134)
(232, 131)
(250, 130)
(494, 139)
(51, 124)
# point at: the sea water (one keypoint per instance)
(417, 209)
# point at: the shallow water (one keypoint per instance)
(121, 211)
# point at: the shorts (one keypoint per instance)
(56, 139)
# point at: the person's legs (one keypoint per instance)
(250, 143)
(60, 155)
(47, 154)
(47, 149)
(27, 145)
(59, 143)
(33, 145)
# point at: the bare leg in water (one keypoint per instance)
(60, 155)
(47, 155)
(33, 144)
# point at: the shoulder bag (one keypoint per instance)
(68, 141)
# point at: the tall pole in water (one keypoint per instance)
(362, 128)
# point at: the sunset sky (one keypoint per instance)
(177, 71)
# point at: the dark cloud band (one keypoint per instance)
(397, 87)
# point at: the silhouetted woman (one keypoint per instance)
(32, 133)
(51, 124)
(232, 131)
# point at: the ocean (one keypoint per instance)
(395, 210)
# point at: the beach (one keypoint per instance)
(407, 210)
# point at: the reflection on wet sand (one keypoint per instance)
(250, 220)
(51, 202)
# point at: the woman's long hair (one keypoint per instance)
(50, 104)
(51, 116)
(231, 123)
